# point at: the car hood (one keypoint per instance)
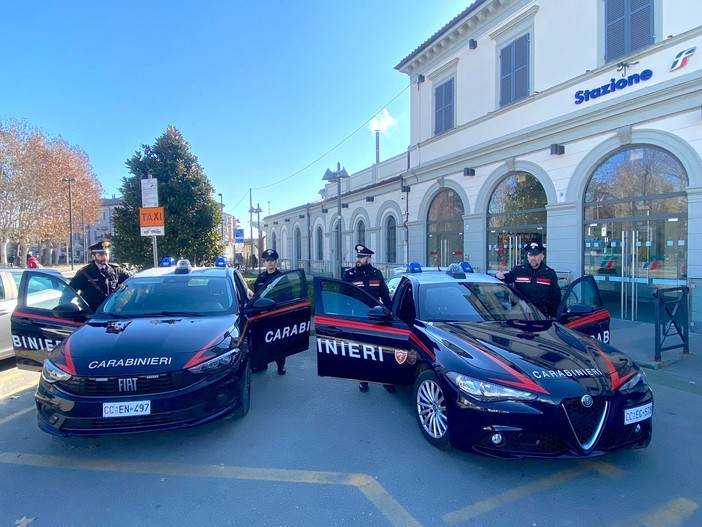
(143, 345)
(542, 356)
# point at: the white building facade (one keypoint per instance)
(574, 123)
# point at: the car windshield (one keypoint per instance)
(472, 302)
(172, 295)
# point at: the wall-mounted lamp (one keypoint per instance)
(344, 205)
(324, 211)
(557, 150)
(472, 43)
(420, 78)
(468, 171)
(370, 199)
(405, 188)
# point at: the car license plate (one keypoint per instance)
(634, 415)
(126, 409)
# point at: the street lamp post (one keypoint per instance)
(251, 211)
(70, 180)
(221, 209)
(258, 211)
(337, 176)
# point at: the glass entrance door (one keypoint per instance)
(631, 259)
(506, 248)
(445, 248)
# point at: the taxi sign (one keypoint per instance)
(151, 221)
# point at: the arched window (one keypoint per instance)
(361, 232)
(516, 216)
(635, 228)
(445, 229)
(298, 247)
(273, 242)
(319, 243)
(391, 240)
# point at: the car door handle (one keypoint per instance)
(333, 330)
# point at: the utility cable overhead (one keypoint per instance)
(319, 158)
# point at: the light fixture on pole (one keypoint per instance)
(337, 176)
(70, 180)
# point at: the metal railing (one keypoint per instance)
(672, 318)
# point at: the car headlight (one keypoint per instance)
(222, 362)
(487, 391)
(52, 373)
(637, 383)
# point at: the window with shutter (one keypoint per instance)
(628, 27)
(514, 71)
(443, 107)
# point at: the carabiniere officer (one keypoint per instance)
(270, 264)
(100, 278)
(371, 280)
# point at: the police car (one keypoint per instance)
(489, 372)
(173, 347)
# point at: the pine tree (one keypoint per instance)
(192, 217)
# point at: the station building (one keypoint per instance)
(576, 124)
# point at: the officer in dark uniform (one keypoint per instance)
(270, 264)
(100, 278)
(536, 281)
(371, 280)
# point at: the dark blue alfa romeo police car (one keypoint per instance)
(173, 347)
(489, 372)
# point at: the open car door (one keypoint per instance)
(582, 309)
(358, 338)
(278, 319)
(47, 311)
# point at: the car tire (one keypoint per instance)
(246, 395)
(430, 409)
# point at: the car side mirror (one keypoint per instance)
(579, 309)
(71, 311)
(380, 313)
(262, 303)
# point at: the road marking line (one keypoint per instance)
(673, 513)
(16, 414)
(12, 375)
(471, 512)
(25, 386)
(370, 488)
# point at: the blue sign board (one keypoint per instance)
(238, 235)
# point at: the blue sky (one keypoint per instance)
(262, 91)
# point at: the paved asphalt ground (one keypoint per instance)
(316, 452)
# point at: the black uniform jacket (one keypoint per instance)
(95, 285)
(539, 285)
(263, 278)
(369, 279)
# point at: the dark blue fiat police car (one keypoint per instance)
(490, 374)
(173, 347)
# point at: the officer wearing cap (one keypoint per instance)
(270, 271)
(100, 278)
(536, 281)
(371, 280)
